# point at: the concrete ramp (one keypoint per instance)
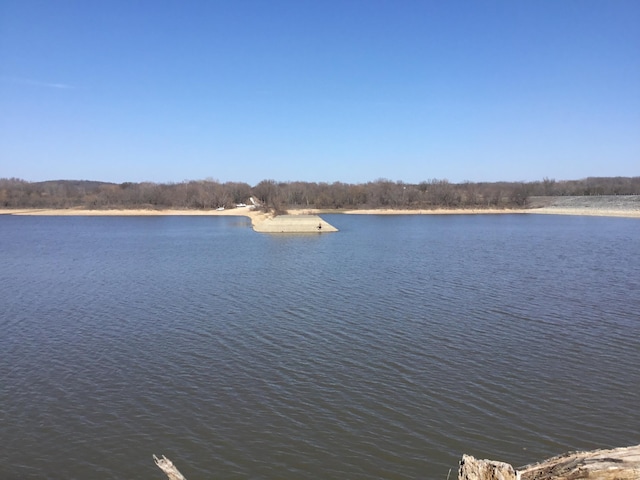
(294, 224)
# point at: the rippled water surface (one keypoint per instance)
(383, 351)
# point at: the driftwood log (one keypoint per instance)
(168, 468)
(615, 464)
(473, 469)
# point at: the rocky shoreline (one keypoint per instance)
(603, 205)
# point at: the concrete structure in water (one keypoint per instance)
(294, 224)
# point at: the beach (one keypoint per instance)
(255, 216)
(603, 206)
(258, 217)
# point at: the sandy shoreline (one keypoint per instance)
(122, 212)
(257, 217)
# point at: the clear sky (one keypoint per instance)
(319, 90)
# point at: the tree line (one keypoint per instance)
(279, 196)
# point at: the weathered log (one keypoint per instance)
(614, 464)
(473, 469)
(168, 468)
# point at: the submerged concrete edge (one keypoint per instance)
(294, 224)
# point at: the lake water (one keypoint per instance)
(384, 351)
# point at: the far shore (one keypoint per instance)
(259, 216)
(255, 216)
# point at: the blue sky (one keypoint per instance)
(350, 91)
